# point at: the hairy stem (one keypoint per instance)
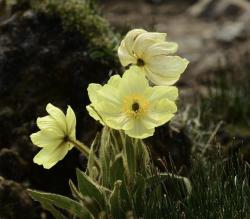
(84, 150)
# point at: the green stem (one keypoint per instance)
(84, 150)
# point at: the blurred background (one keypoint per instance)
(209, 33)
(51, 50)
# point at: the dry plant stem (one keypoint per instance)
(212, 137)
(84, 150)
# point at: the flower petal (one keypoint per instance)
(109, 93)
(149, 122)
(107, 109)
(162, 48)
(133, 82)
(45, 138)
(119, 122)
(93, 113)
(165, 70)
(71, 122)
(130, 39)
(49, 123)
(124, 56)
(57, 155)
(139, 130)
(161, 80)
(144, 40)
(114, 81)
(48, 157)
(106, 113)
(58, 115)
(110, 114)
(162, 92)
(44, 155)
(92, 92)
(163, 111)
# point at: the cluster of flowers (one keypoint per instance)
(129, 102)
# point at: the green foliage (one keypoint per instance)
(82, 16)
(121, 185)
(50, 200)
(222, 114)
(228, 97)
(78, 16)
(220, 190)
(87, 187)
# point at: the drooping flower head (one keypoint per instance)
(56, 131)
(130, 104)
(153, 55)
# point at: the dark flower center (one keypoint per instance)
(140, 62)
(66, 138)
(135, 106)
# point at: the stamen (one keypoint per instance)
(140, 62)
(66, 138)
(135, 106)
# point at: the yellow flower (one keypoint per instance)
(154, 56)
(56, 131)
(130, 104)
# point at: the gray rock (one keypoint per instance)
(202, 8)
(231, 31)
(219, 8)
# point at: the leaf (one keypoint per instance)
(89, 203)
(115, 201)
(88, 187)
(130, 159)
(76, 194)
(104, 155)
(142, 156)
(116, 138)
(176, 185)
(139, 194)
(92, 170)
(126, 196)
(62, 202)
(56, 214)
(117, 170)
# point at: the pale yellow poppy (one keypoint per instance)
(130, 104)
(56, 131)
(153, 55)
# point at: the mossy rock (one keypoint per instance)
(42, 61)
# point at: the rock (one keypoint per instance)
(15, 201)
(7, 122)
(210, 63)
(219, 8)
(231, 31)
(41, 62)
(41, 65)
(12, 166)
(202, 8)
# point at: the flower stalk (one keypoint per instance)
(84, 150)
